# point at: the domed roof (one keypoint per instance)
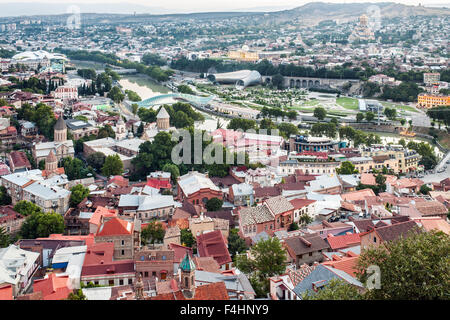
(60, 124)
(162, 114)
(51, 157)
(187, 264)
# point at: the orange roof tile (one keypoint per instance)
(102, 212)
(346, 264)
(357, 195)
(344, 241)
(53, 287)
(6, 293)
(115, 226)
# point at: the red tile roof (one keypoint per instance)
(115, 226)
(213, 244)
(211, 291)
(346, 264)
(98, 252)
(7, 213)
(113, 267)
(19, 159)
(88, 239)
(101, 212)
(179, 252)
(158, 184)
(357, 195)
(119, 180)
(300, 203)
(6, 293)
(53, 287)
(344, 241)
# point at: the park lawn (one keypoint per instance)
(310, 103)
(348, 103)
(399, 106)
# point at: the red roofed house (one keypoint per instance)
(118, 181)
(359, 195)
(344, 241)
(53, 287)
(159, 180)
(213, 244)
(97, 253)
(378, 236)
(186, 288)
(112, 273)
(122, 233)
(10, 220)
(303, 207)
(100, 215)
(18, 161)
(8, 135)
(346, 263)
(197, 188)
(6, 292)
(154, 263)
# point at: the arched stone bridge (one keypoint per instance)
(307, 82)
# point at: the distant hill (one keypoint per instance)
(315, 12)
(308, 14)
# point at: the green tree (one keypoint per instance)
(134, 108)
(187, 239)
(214, 204)
(41, 225)
(4, 238)
(370, 116)
(96, 160)
(305, 219)
(346, 168)
(320, 113)
(153, 232)
(173, 169)
(79, 192)
(235, 243)
(133, 96)
(243, 124)
(26, 208)
(416, 267)
(75, 169)
(424, 189)
(287, 129)
(268, 259)
(359, 117)
(112, 166)
(293, 226)
(182, 88)
(105, 132)
(78, 295)
(116, 95)
(5, 199)
(336, 289)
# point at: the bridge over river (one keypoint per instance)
(194, 100)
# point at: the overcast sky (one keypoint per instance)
(219, 5)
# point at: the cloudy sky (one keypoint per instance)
(218, 5)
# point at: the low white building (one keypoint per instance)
(17, 268)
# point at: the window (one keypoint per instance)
(111, 282)
(123, 252)
(146, 274)
(121, 282)
(123, 242)
(154, 273)
(130, 281)
(310, 254)
(374, 239)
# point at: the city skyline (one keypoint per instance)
(178, 6)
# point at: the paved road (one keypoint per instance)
(436, 177)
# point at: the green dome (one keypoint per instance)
(187, 264)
